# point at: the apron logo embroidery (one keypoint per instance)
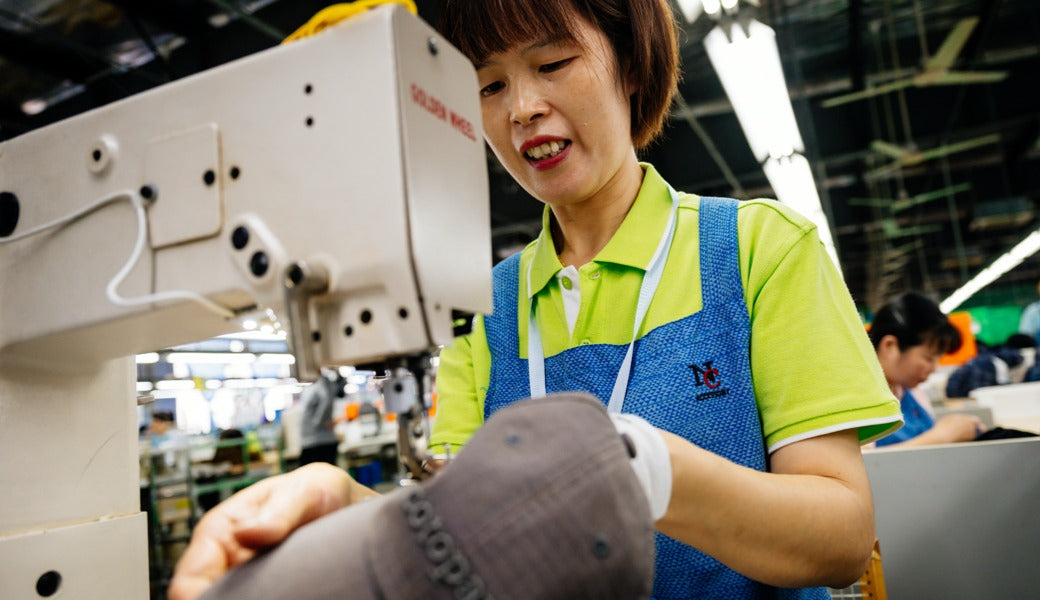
(708, 376)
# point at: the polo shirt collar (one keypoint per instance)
(632, 245)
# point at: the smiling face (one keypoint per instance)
(557, 115)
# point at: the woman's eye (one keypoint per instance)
(555, 66)
(490, 88)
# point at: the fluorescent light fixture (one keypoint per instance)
(711, 7)
(211, 358)
(218, 20)
(34, 106)
(1007, 261)
(243, 383)
(63, 92)
(691, 9)
(747, 61)
(792, 180)
(148, 358)
(286, 388)
(144, 386)
(276, 359)
(175, 384)
(748, 65)
(238, 384)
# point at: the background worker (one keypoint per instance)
(910, 334)
(162, 423)
(318, 441)
(1029, 321)
(762, 479)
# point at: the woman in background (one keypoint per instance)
(910, 334)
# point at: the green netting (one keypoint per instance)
(995, 323)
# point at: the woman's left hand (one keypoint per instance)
(260, 516)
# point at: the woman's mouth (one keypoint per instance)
(546, 150)
(547, 154)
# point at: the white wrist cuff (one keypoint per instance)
(651, 462)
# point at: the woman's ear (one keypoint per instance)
(888, 346)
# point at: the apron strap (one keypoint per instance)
(651, 280)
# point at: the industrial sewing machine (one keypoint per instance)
(339, 180)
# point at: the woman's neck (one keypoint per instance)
(581, 230)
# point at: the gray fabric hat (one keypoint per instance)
(541, 504)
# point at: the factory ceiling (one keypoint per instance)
(923, 185)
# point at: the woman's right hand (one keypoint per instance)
(956, 427)
(260, 516)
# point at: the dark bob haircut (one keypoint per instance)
(914, 319)
(642, 33)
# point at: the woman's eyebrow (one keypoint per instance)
(535, 45)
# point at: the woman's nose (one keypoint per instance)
(527, 103)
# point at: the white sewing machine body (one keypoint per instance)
(355, 154)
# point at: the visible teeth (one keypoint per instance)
(545, 150)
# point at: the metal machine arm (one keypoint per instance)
(339, 180)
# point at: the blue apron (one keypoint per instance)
(691, 377)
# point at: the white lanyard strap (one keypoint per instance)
(651, 279)
(535, 353)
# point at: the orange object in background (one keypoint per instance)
(352, 410)
(968, 350)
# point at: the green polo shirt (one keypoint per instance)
(814, 369)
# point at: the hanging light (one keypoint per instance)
(1007, 261)
(211, 358)
(792, 180)
(745, 57)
